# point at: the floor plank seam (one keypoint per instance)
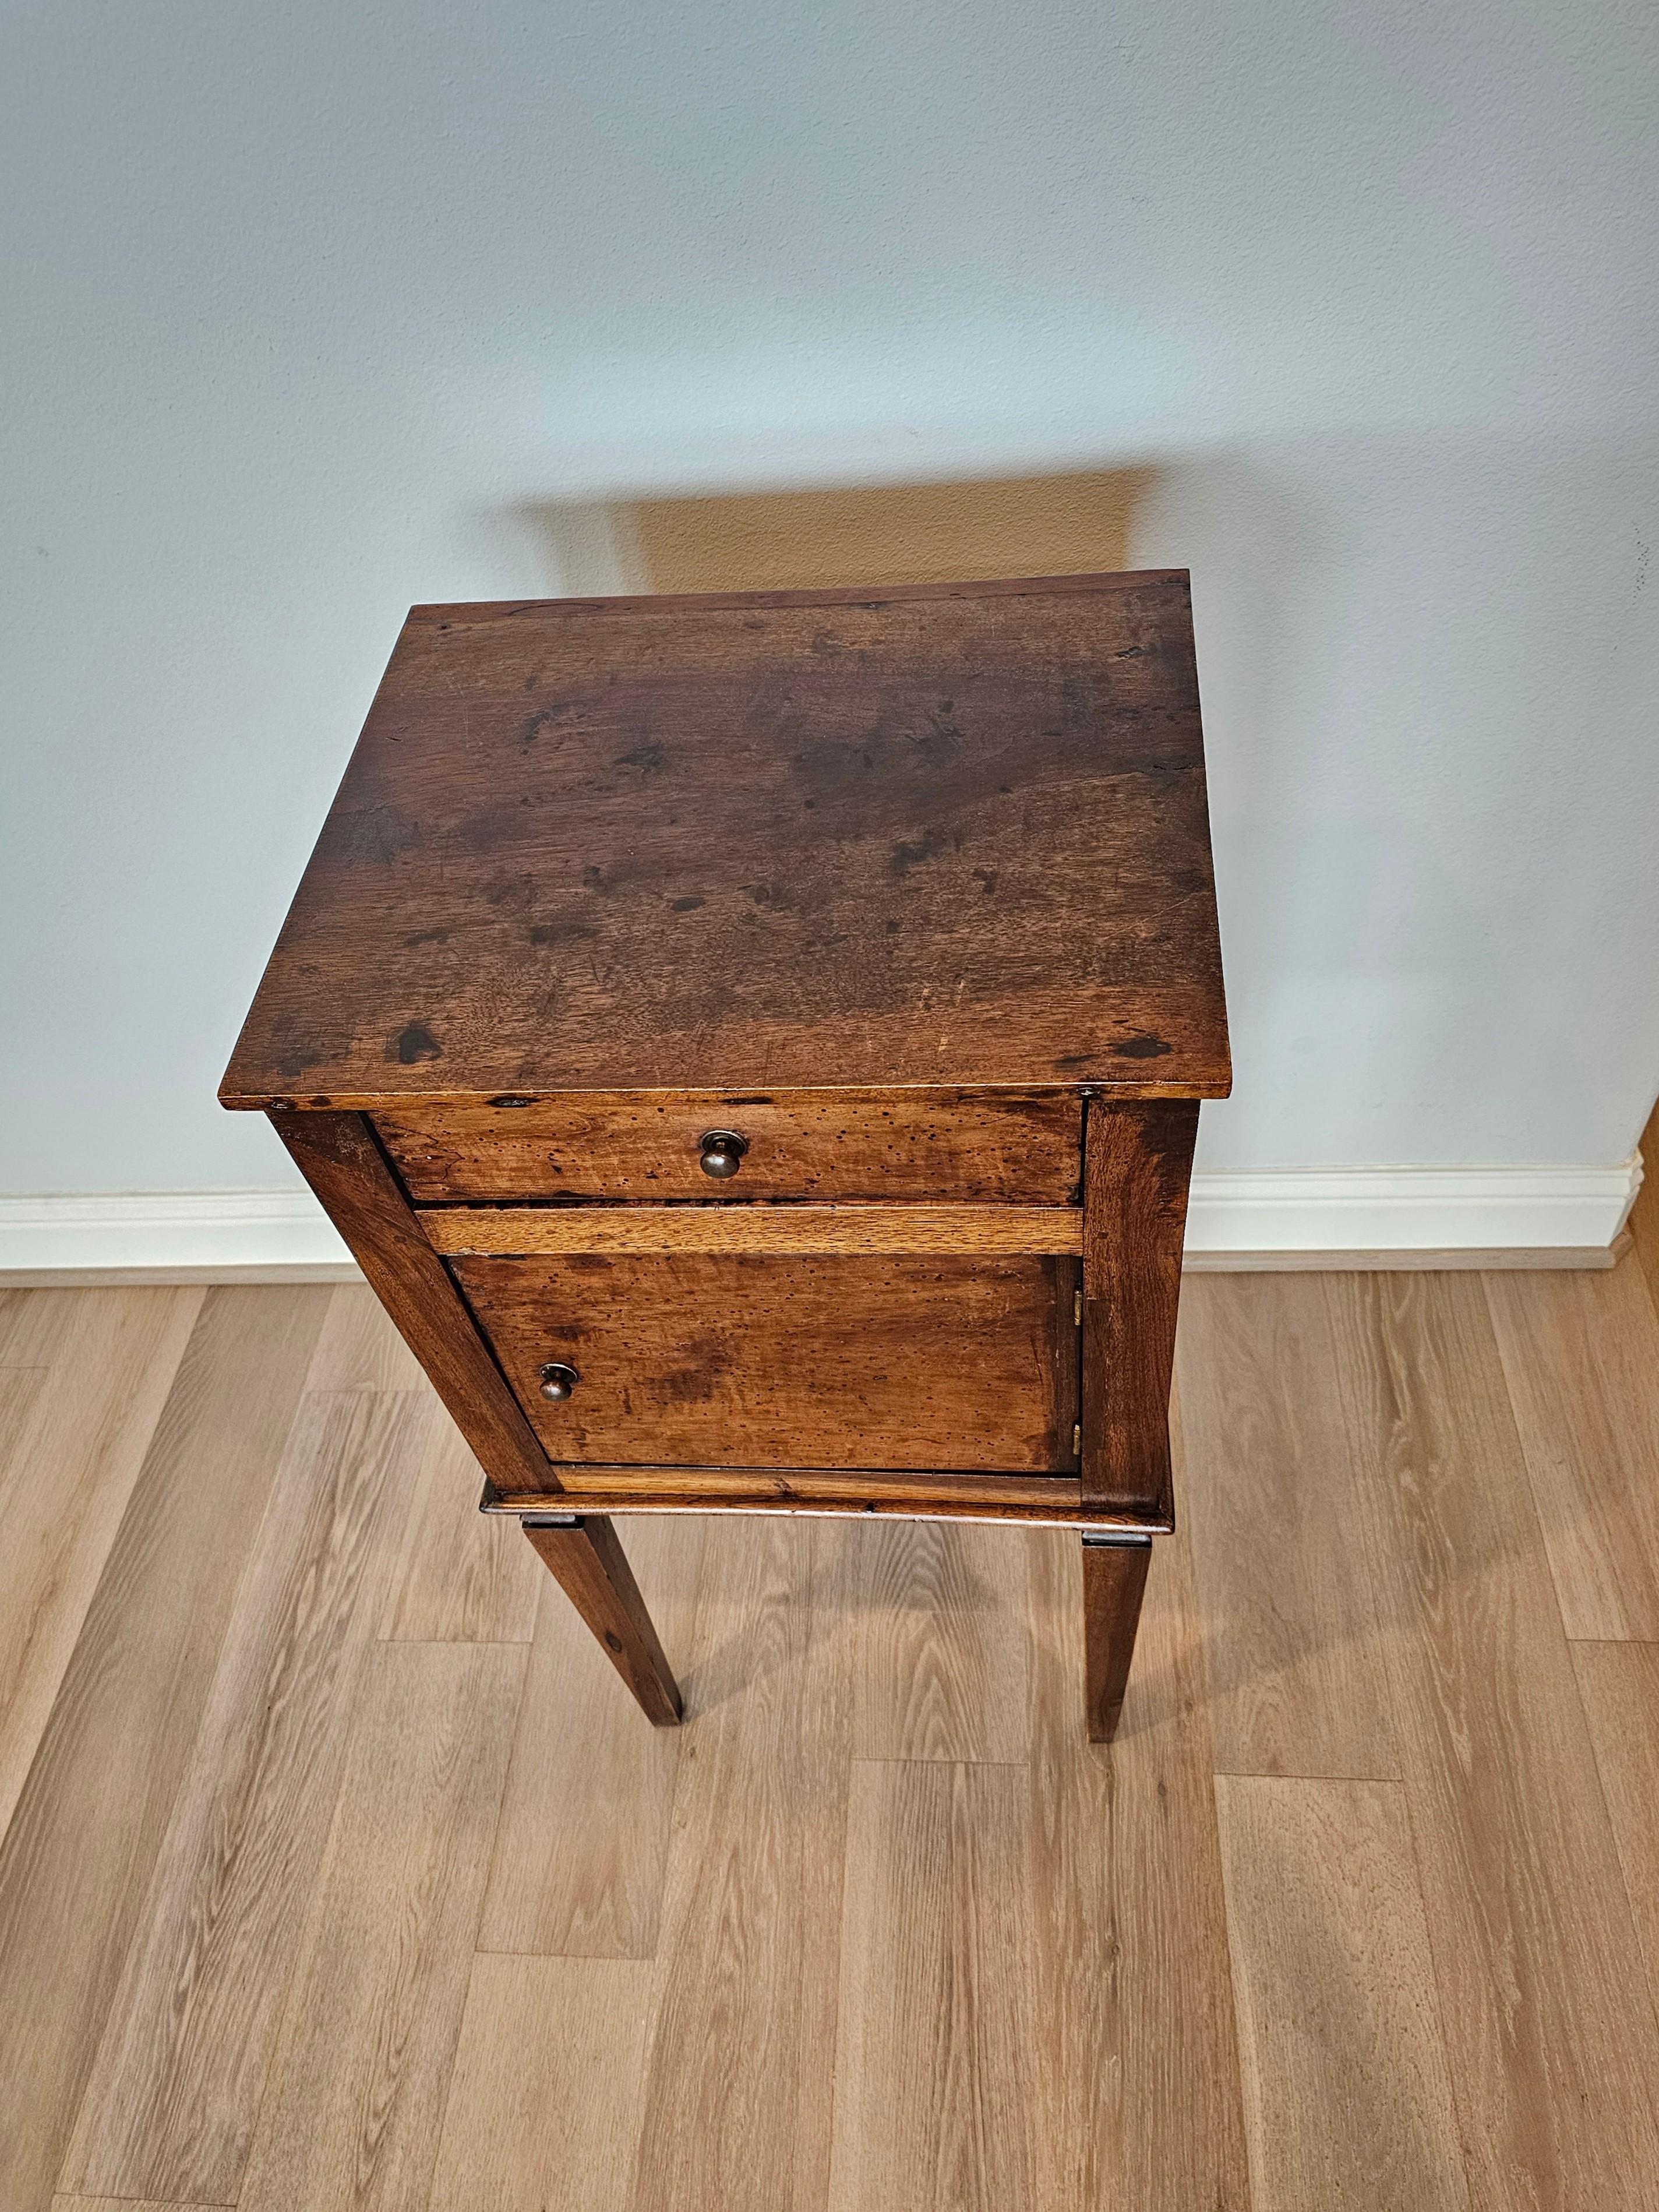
(591, 1958)
(924, 1758)
(1276, 1774)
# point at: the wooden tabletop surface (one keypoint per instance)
(939, 834)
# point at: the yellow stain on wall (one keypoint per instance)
(890, 534)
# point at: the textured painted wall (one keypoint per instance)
(311, 311)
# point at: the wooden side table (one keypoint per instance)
(752, 1046)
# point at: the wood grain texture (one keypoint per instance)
(337, 1155)
(586, 1559)
(1009, 1147)
(939, 1617)
(703, 1361)
(357, 2099)
(1553, 2046)
(1138, 1162)
(66, 1473)
(170, 2104)
(459, 1576)
(936, 835)
(953, 1495)
(738, 2079)
(989, 1231)
(33, 1324)
(20, 1387)
(123, 2204)
(581, 1847)
(1297, 1672)
(1348, 2095)
(77, 1860)
(1529, 1763)
(1580, 1356)
(1139, 2068)
(935, 2070)
(544, 2108)
(1620, 1686)
(359, 1348)
(1644, 1214)
(1114, 1583)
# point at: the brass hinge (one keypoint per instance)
(1077, 1307)
(1077, 1440)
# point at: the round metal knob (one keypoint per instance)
(558, 1379)
(722, 1151)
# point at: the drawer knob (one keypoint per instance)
(722, 1151)
(558, 1379)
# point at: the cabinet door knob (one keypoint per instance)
(722, 1151)
(559, 1379)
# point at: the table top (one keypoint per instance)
(936, 834)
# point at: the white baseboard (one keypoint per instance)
(1282, 1217)
(1410, 1217)
(171, 1237)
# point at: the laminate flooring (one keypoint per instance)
(339, 1870)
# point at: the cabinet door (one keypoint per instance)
(717, 1360)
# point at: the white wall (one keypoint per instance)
(305, 307)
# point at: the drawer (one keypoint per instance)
(712, 1360)
(1018, 1147)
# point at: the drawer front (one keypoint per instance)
(712, 1360)
(1019, 1146)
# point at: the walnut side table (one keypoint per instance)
(751, 1045)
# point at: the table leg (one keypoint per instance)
(582, 1554)
(1114, 1578)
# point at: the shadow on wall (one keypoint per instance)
(1427, 666)
(880, 534)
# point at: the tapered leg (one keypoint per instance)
(1114, 1578)
(585, 1558)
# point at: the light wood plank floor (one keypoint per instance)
(339, 1870)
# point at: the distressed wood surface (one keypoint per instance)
(1033, 1500)
(935, 835)
(896, 1362)
(989, 1231)
(1010, 1146)
(338, 1157)
(1114, 1583)
(1138, 1165)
